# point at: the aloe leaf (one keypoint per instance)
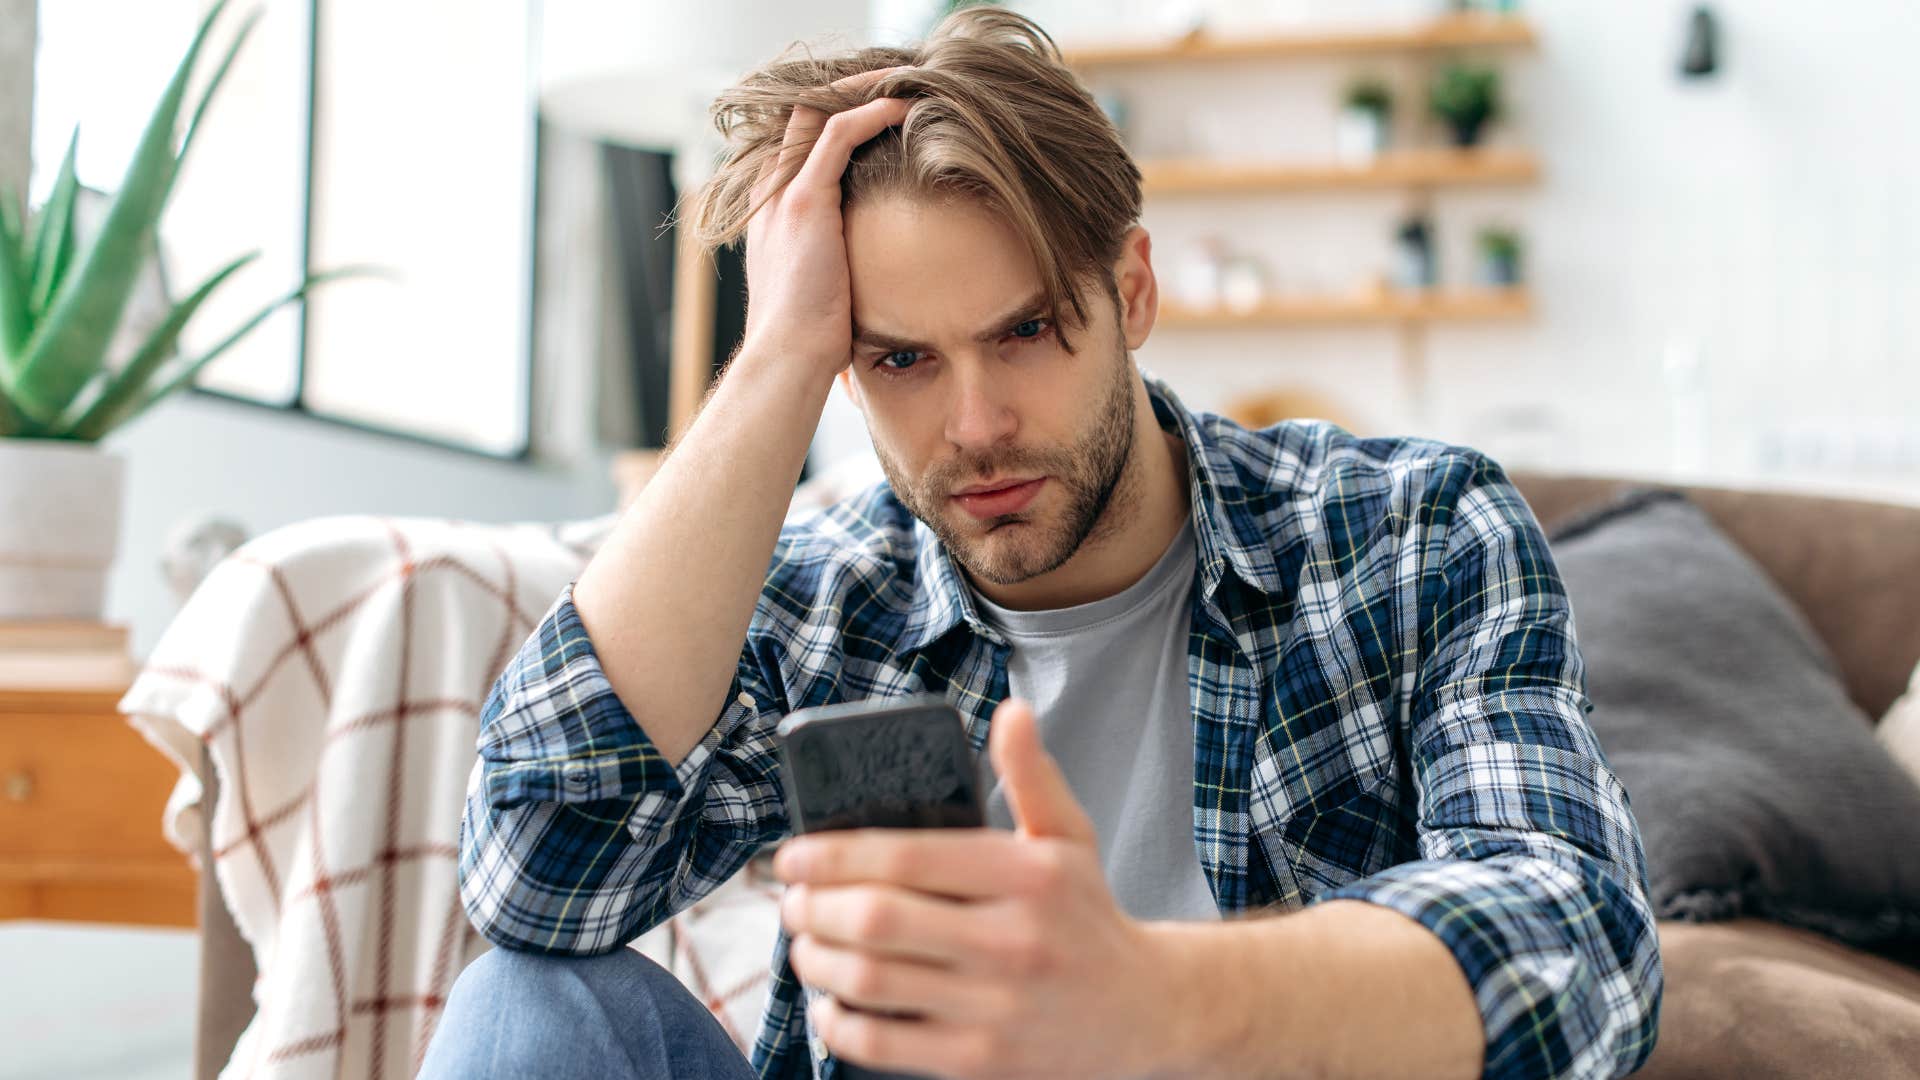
(53, 237)
(124, 386)
(11, 422)
(182, 374)
(15, 316)
(219, 76)
(69, 345)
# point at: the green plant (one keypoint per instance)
(1499, 243)
(1466, 97)
(1373, 95)
(59, 307)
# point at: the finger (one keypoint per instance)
(888, 984)
(895, 1044)
(884, 919)
(843, 133)
(963, 863)
(804, 124)
(1042, 801)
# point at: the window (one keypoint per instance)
(349, 133)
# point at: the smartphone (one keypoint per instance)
(890, 763)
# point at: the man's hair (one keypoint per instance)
(996, 116)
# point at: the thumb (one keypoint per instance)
(1037, 792)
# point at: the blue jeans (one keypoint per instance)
(620, 1015)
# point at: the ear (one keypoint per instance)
(852, 388)
(1139, 293)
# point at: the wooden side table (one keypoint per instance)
(81, 798)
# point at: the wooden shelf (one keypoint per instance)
(1473, 305)
(1398, 169)
(1448, 32)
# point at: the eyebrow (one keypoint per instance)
(1032, 307)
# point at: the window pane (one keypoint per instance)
(244, 189)
(423, 155)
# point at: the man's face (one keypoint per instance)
(964, 383)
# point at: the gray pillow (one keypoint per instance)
(1757, 783)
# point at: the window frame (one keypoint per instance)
(523, 453)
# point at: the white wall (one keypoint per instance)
(198, 455)
(1765, 222)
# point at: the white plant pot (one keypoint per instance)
(1359, 136)
(59, 528)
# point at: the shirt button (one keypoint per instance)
(818, 1045)
(745, 699)
(577, 777)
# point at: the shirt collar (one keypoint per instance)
(1227, 535)
(1225, 522)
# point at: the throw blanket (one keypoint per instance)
(334, 672)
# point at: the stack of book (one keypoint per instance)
(56, 654)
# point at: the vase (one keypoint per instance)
(1359, 136)
(59, 528)
(1499, 271)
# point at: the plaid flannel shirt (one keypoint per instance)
(1389, 706)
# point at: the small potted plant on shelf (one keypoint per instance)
(63, 297)
(1365, 114)
(1466, 97)
(1499, 257)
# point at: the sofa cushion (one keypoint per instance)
(1750, 998)
(1757, 783)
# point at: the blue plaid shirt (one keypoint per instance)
(1389, 707)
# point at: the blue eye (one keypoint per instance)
(1032, 328)
(892, 360)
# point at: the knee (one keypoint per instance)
(509, 979)
(509, 1010)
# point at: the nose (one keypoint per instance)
(981, 414)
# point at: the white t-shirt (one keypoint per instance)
(1108, 683)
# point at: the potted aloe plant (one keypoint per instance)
(62, 300)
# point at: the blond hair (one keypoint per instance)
(996, 116)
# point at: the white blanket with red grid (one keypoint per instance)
(334, 671)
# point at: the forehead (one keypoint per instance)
(934, 269)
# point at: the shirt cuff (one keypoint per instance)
(553, 730)
(1544, 1006)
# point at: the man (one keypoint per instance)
(1289, 673)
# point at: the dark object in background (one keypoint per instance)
(1702, 56)
(640, 204)
(1413, 266)
(640, 196)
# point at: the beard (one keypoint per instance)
(1092, 474)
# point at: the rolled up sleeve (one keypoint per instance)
(1531, 868)
(577, 834)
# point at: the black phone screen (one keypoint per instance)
(897, 763)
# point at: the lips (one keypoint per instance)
(1004, 500)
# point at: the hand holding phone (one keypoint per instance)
(888, 763)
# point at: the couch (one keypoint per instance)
(1853, 569)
